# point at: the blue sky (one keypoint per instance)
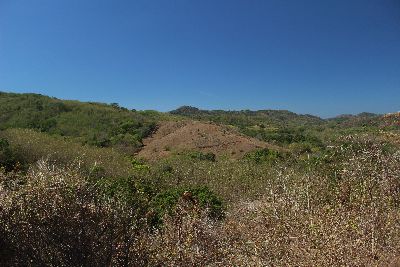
(320, 57)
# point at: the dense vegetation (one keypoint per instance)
(248, 117)
(330, 197)
(95, 124)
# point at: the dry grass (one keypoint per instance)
(53, 216)
(30, 146)
(344, 214)
(303, 220)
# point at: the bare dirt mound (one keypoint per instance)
(172, 137)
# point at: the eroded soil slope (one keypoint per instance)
(176, 136)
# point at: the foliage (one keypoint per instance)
(188, 238)
(202, 156)
(56, 218)
(263, 155)
(28, 146)
(139, 165)
(166, 201)
(325, 198)
(245, 118)
(7, 159)
(302, 217)
(91, 123)
(286, 213)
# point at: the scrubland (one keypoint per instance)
(340, 208)
(77, 193)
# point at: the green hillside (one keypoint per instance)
(109, 125)
(90, 123)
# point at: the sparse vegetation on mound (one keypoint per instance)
(178, 137)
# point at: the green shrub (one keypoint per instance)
(165, 201)
(202, 156)
(124, 190)
(139, 165)
(7, 158)
(263, 155)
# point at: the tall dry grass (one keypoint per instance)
(52, 216)
(342, 211)
(349, 216)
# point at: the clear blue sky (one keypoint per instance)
(323, 57)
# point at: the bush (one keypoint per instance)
(29, 146)
(7, 158)
(337, 209)
(58, 218)
(188, 238)
(139, 165)
(165, 202)
(263, 155)
(202, 156)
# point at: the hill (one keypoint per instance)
(178, 136)
(109, 125)
(102, 125)
(360, 120)
(243, 118)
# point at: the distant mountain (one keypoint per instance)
(360, 115)
(249, 117)
(186, 110)
(360, 120)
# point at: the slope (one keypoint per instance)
(186, 135)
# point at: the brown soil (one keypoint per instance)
(176, 136)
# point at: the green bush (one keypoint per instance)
(202, 156)
(165, 201)
(7, 158)
(263, 155)
(139, 165)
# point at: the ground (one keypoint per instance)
(175, 136)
